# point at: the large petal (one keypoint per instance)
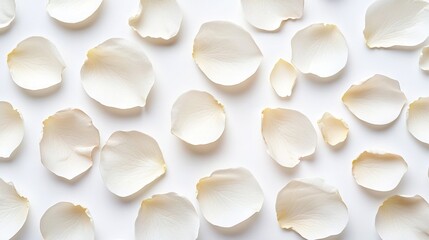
(424, 59)
(418, 119)
(283, 77)
(74, 11)
(11, 130)
(334, 130)
(7, 13)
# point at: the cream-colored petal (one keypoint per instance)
(319, 49)
(288, 135)
(130, 161)
(72, 11)
(118, 74)
(11, 130)
(311, 208)
(157, 19)
(269, 14)
(334, 130)
(166, 217)
(7, 13)
(390, 23)
(35, 64)
(226, 53)
(67, 221)
(197, 118)
(424, 59)
(418, 119)
(378, 100)
(283, 77)
(69, 137)
(13, 210)
(229, 196)
(379, 171)
(403, 217)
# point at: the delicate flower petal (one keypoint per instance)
(130, 161)
(157, 19)
(165, 217)
(379, 171)
(7, 13)
(66, 221)
(283, 77)
(418, 119)
(403, 217)
(288, 135)
(197, 118)
(311, 208)
(319, 49)
(67, 143)
(269, 14)
(35, 64)
(226, 53)
(13, 210)
(74, 11)
(11, 130)
(229, 196)
(390, 23)
(378, 100)
(334, 130)
(424, 59)
(118, 74)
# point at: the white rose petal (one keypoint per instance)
(283, 77)
(424, 59)
(72, 11)
(7, 13)
(11, 130)
(334, 130)
(418, 119)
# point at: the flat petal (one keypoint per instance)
(226, 53)
(319, 49)
(66, 221)
(165, 217)
(283, 77)
(229, 196)
(311, 208)
(334, 130)
(424, 59)
(118, 74)
(378, 100)
(197, 118)
(288, 135)
(130, 161)
(390, 23)
(7, 13)
(11, 130)
(75, 11)
(69, 137)
(418, 119)
(379, 171)
(35, 64)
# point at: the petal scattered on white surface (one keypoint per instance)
(283, 78)
(269, 14)
(229, 196)
(197, 118)
(7, 13)
(288, 135)
(130, 161)
(13, 210)
(379, 171)
(311, 208)
(390, 23)
(165, 217)
(75, 11)
(35, 64)
(424, 59)
(69, 137)
(157, 19)
(319, 49)
(378, 100)
(226, 53)
(418, 119)
(334, 130)
(66, 221)
(118, 74)
(11, 130)
(403, 217)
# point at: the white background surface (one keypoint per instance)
(241, 144)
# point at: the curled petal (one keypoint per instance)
(11, 130)
(283, 78)
(7, 13)
(418, 118)
(424, 59)
(334, 130)
(72, 12)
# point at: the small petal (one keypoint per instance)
(7, 13)
(288, 135)
(11, 130)
(334, 130)
(379, 171)
(66, 221)
(118, 74)
(35, 64)
(69, 137)
(165, 217)
(197, 118)
(283, 77)
(229, 196)
(226, 53)
(418, 119)
(75, 11)
(424, 59)
(130, 161)
(378, 100)
(311, 208)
